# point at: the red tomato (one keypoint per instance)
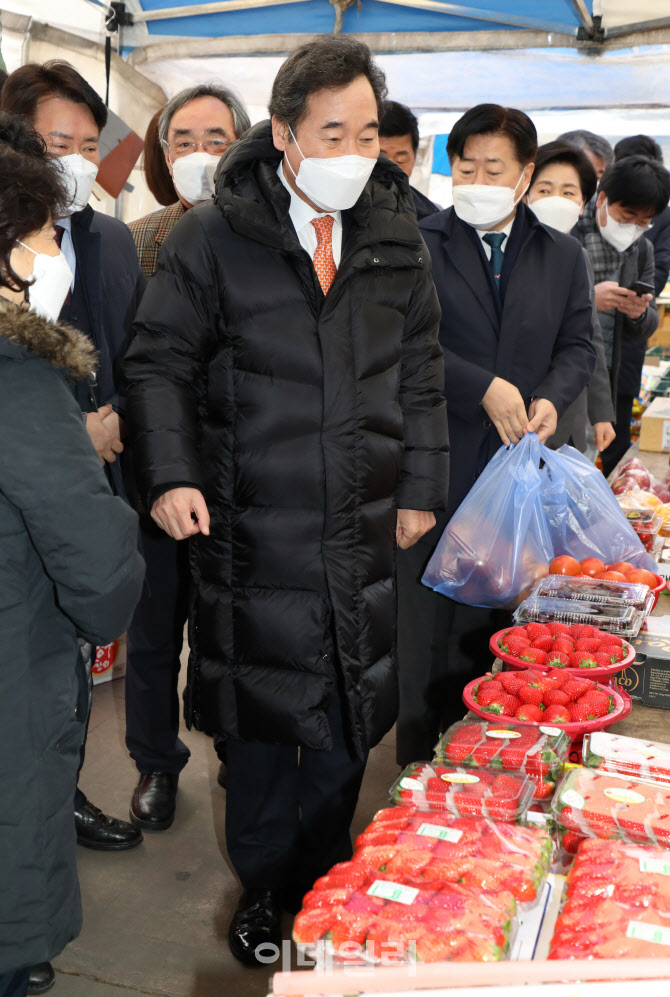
(623, 566)
(591, 566)
(642, 577)
(612, 576)
(565, 565)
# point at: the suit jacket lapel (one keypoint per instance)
(87, 250)
(465, 257)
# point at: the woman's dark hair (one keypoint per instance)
(637, 182)
(32, 192)
(156, 170)
(331, 62)
(398, 120)
(561, 153)
(638, 145)
(492, 119)
(28, 85)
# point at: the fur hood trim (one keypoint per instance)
(62, 345)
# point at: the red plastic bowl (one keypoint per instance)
(576, 731)
(657, 589)
(590, 673)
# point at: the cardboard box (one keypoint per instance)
(655, 426)
(648, 678)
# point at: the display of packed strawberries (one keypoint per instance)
(630, 756)
(606, 805)
(503, 745)
(499, 795)
(436, 886)
(554, 696)
(618, 903)
(561, 645)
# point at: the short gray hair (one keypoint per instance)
(241, 121)
(589, 142)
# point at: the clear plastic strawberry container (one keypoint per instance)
(622, 620)
(646, 523)
(489, 793)
(597, 591)
(607, 805)
(629, 756)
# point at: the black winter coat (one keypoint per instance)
(69, 567)
(305, 422)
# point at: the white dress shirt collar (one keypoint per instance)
(504, 231)
(302, 214)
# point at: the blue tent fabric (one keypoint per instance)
(441, 162)
(318, 16)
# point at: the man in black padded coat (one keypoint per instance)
(286, 408)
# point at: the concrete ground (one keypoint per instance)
(156, 917)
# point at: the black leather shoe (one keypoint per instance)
(222, 777)
(153, 804)
(97, 830)
(255, 922)
(41, 979)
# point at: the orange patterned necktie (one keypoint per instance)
(324, 264)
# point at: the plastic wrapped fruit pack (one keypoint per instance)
(618, 904)
(631, 756)
(538, 752)
(555, 696)
(485, 793)
(595, 590)
(559, 645)
(605, 805)
(623, 620)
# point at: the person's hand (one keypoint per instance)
(181, 512)
(505, 408)
(115, 423)
(603, 435)
(610, 295)
(103, 435)
(543, 418)
(634, 307)
(411, 526)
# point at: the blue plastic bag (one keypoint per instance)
(529, 505)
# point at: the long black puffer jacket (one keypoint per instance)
(305, 421)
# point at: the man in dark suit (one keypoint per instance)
(105, 292)
(399, 142)
(516, 332)
(659, 233)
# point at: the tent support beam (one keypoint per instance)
(167, 13)
(584, 16)
(477, 14)
(623, 30)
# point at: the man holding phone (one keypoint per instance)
(631, 193)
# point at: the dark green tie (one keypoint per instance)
(495, 241)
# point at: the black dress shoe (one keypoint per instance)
(255, 922)
(153, 804)
(97, 830)
(41, 979)
(222, 777)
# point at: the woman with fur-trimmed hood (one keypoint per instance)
(69, 570)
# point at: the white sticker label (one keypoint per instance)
(503, 734)
(551, 731)
(387, 890)
(408, 783)
(536, 817)
(572, 798)
(657, 866)
(624, 796)
(459, 777)
(665, 436)
(648, 932)
(443, 833)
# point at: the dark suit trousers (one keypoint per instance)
(289, 810)
(155, 641)
(621, 443)
(442, 645)
(14, 984)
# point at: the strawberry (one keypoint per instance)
(516, 632)
(563, 644)
(510, 704)
(611, 639)
(554, 679)
(582, 659)
(533, 655)
(603, 659)
(557, 714)
(558, 628)
(617, 653)
(579, 713)
(537, 630)
(488, 692)
(598, 703)
(580, 630)
(310, 925)
(530, 695)
(557, 659)
(528, 675)
(516, 645)
(575, 688)
(457, 751)
(556, 697)
(507, 785)
(571, 842)
(543, 643)
(511, 682)
(587, 644)
(529, 712)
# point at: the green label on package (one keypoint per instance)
(387, 890)
(655, 865)
(443, 833)
(648, 932)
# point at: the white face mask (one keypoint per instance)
(557, 212)
(333, 184)
(52, 281)
(484, 205)
(79, 175)
(619, 234)
(193, 176)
